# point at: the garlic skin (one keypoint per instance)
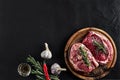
(46, 54)
(56, 69)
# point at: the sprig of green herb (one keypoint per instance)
(54, 77)
(84, 55)
(100, 46)
(37, 69)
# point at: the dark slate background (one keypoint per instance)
(26, 24)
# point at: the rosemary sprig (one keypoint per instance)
(37, 69)
(36, 72)
(40, 77)
(99, 46)
(34, 63)
(84, 55)
(54, 77)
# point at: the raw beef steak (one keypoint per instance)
(81, 58)
(100, 47)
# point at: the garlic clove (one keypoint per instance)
(56, 69)
(46, 54)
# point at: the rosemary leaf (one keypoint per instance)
(54, 77)
(84, 55)
(34, 63)
(40, 66)
(37, 68)
(36, 72)
(40, 77)
(99, 46)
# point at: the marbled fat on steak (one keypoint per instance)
(100, 47)
(81, 58)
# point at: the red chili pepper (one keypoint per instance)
(45, 69)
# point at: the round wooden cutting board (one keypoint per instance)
(99, 72)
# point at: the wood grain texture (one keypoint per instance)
(99, 72)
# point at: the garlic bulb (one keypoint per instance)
(56, 69)
(46, 54)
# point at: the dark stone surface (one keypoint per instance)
(26, 24)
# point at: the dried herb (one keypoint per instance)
(84, 55)
(99, 46)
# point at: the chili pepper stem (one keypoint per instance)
(44, 61)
